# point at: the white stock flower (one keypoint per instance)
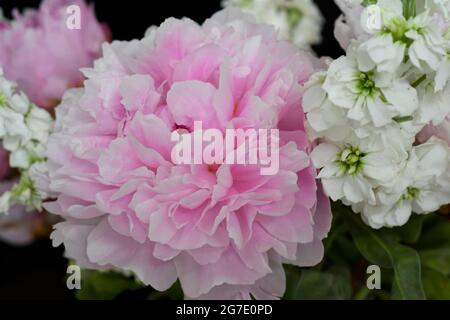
(434, 106)
(24, 132)
(370, 97)
(298, 21)
(417, 38)
(39, 122)
(422, 187)
(5, 202)
(12, 124)
(348, 25)
(371, 107)
(38, 173)
(438, 6)
(324, 118)
(442, 79)
(352, 169)
(382, 52)
(428, 47)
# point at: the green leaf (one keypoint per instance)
(369, 244)
(99, 285)
(436, 233)
(317, 285)
(312, 285)
(410, 232)
(409, 8)
(407, 272)
(342, 287)
(436, 285)
(379, 248)
(437, 259)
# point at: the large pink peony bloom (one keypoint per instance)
(40, 53)
(223, 231)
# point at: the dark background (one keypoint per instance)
(37, 271)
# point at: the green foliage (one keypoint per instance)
(99, 285)
(414, 261)
(311, 284)
(436, 284)
(411, 231)
(379, 248)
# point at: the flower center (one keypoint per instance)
(3, 100)
(410, 194)
(246, 3)
(398, 27)
(294, 16)
(350, 160)
(365, 85)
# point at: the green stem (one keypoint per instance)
(403, 119)
(366, 3)
(362, 294)
(409, 8)
(416, 83)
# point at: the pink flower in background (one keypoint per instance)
(43, 56)
(442, 131)
(20, 227)
(222, 230)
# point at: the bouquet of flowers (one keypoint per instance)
(157, 166)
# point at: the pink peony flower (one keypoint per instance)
(40, 53)
(222, 230)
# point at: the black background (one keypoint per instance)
(37, 271)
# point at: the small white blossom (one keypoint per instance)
(5, 202)
(417, 38)
(442, 78)
(434, 106)
(298, 21)
(369, 96)
(352, 169)
(348, 26)
(428, 47)
(422, 187)
(439, 6)
(325, 119)
(382, 52)
(24, 131)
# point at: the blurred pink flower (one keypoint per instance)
(442, 131)
(222, 230)
(20, 227)
(40, 53)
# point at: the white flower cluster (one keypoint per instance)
(24, 131)
(367, 109)
(298, 21)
